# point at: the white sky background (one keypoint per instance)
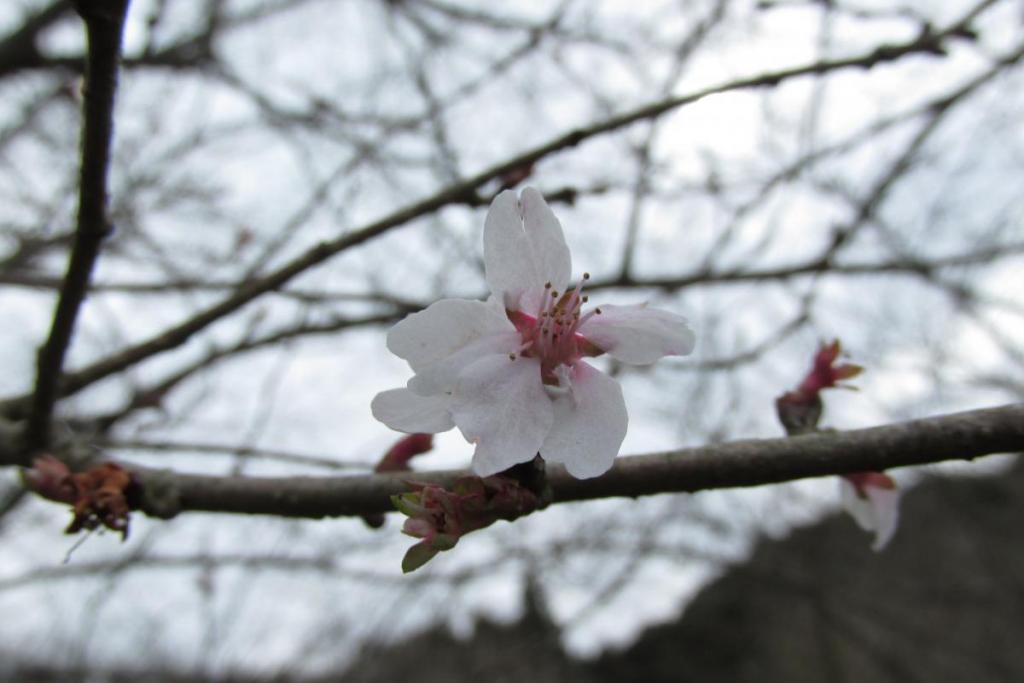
(198, 164)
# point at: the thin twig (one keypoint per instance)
(304, 459)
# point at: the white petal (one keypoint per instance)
(441, 376)
(546, 239)
(444, 327)
(404, 411)
(590, 424)
(524, 248)
(637, 334)
(857, 507)
(500, 405)
(886, 503)
(879, 512)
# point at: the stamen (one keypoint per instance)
(551, 337)
(574, 300)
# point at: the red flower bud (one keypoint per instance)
(799, 410)
(397, 460)
(398, 456)
(825, 375)
(441, 517)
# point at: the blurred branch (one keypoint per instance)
(330, 563)
(104, 22)
(104, 568)
(276, 455)
(822, 265)
(905, 264)
(28, 250)
(18, 50)
(928, 42)
(646, 149)
(756, 351)
(153, 395)
(755, 462)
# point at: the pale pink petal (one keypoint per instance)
(887, 514)
(878, 512)
(500, 405)
(442, 376)
(546, 239)
(444, 327)
(855, 506)
(637, 334)
(590, 424)
(405, 411)
(524, 249)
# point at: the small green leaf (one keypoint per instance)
(444, 541)
(417, 556)
(407, 504)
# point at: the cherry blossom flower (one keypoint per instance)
(873, 500)
(509, 372)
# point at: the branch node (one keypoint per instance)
(161, 495)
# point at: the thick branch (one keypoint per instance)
(959, 436)
(104, 21)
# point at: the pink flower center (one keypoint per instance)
(551, 335)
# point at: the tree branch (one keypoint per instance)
(18, 49)
(754, 462)
(104, 21)
(928, 42)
